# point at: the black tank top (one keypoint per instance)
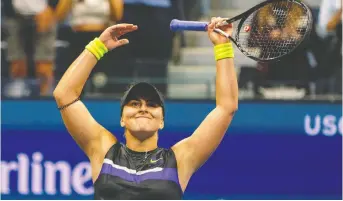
(126, 174)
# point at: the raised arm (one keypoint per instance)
(193, 151)
(93, 139)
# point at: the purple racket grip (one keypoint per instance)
(179, 25)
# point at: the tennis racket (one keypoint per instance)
(266, 32)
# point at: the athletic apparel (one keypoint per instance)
(127, 174)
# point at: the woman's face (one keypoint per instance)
(142, 118)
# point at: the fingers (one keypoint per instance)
(218, 22)
(222, 22)
(121, 29)
(212, 24)
(124, 27)
(128, 29)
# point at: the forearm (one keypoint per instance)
(70, 86)
(226, 85)
(116, 7)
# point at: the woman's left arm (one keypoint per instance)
(193, 151)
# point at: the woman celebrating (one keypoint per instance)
(140, 169)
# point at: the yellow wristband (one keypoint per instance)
(92, 49)
(223, 51)
(97, 48)
(101, 45)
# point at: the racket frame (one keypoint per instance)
(243, 16)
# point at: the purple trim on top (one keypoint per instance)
(165, 174)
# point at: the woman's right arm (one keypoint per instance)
(87, 133)
(93, 139)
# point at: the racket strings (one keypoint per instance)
(274, 30)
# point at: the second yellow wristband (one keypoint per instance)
(223, 51)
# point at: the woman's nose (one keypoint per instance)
(144, 106)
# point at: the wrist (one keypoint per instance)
(97, 48)
(221, 42)
(223, 51)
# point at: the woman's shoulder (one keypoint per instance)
(168, 155)
(113, 150)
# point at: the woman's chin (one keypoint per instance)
(143, 131)
(143, 135)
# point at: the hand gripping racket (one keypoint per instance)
(266, 32)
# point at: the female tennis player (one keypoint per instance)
(140, 169)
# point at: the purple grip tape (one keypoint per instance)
(179, 25)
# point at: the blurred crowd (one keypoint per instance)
(41, 38)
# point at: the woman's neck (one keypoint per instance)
(138, 145)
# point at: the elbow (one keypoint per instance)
(229, 105)
(58, 93)
(233, 109)
(61, 93)
(229, 109)
(63, 97)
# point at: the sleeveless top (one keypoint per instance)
(127, 174)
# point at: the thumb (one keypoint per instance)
(211, 26)
(122, 42)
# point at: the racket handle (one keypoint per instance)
(179, 25)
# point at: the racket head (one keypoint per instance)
(272, 29)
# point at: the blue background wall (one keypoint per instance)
(272, 150)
